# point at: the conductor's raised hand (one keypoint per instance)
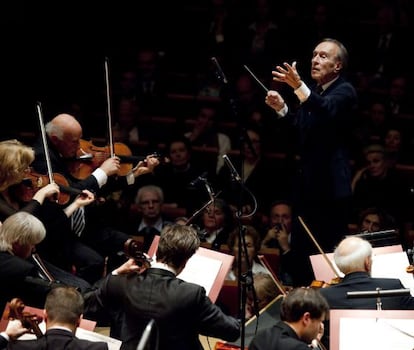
(287, 74)
(274, 100)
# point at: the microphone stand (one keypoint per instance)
(245, 280)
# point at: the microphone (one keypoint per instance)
(233, 171)
(219, 71)
(201, 179)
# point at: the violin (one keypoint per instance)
(28, 320)
(34, 181)
(90, 157)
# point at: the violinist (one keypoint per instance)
(19, 235)
(353, 256)
(64, 134)
(302, 313)
(60, 246)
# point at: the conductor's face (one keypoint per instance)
(325, 63)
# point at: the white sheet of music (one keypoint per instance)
(378, 334)
(202, 271)
(393, 265)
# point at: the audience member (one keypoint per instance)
(150, 220)
(398, 99)
(382, 44)
(181, 310)
(323, 190)
(19, 235)
(377, 184)
(250, 247)
(373, 219)
(295, 269)
(302, 313)
(151, 83)
(370, 128)
(125, 128)
(175, 178)
(254, 171)
(205, 134)
(217, 222)
(261, 37)
(396, 145)
(62, 314)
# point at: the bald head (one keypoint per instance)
(64, 132)
(353, 254)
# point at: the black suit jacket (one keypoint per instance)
(280, 336)
(3, 342)
(322, 191)
(324, 123)
(336, 295)
(181, 310)
(57, 339)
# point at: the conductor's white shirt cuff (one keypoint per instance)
(302, 92)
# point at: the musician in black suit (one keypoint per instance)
(302, 313)
(181, 310)
(19, 235)
(64, 134)
(353, 256)
(63, 312)
(322, 192)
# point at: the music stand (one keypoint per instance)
(149, 339)
(358, 329)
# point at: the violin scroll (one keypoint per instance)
(29, 320)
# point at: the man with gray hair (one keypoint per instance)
(149, 200)
(26, 279)
(353, 256)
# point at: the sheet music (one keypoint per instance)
(378, 334)
(393, 265)
(202, 271)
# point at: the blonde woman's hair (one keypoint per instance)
(15, 157)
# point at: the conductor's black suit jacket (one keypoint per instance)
(181, 310)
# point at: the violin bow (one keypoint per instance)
(336, 273)
(44, 139)
(108, 104)
(266, 265)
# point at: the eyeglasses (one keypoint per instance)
(150, 202)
